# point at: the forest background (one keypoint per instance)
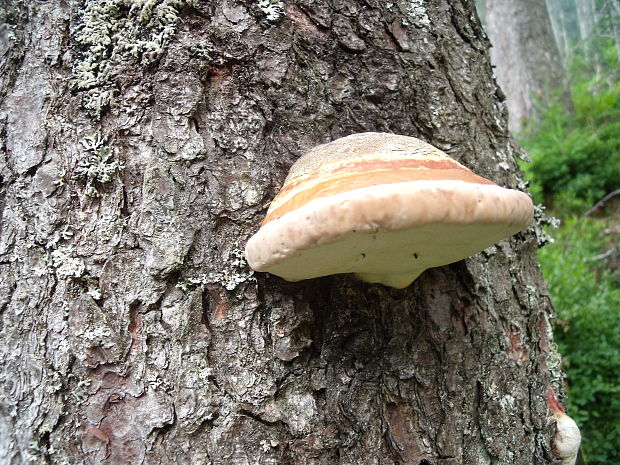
(575, 173)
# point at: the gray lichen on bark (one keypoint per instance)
(132, 331)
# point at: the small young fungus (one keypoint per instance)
(565, 444)
(384, 207)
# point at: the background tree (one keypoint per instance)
(141, 141)
(588, 30)
(526, 58)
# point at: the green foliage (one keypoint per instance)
(588, 334)
(575, 162)
(595, 62)
(576, 157)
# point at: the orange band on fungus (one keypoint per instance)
(362, 179)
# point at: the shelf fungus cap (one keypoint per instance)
(384, 207)
(565, 444)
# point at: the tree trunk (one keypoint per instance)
(613, 10)
(141, 142)
(560, 31)
(526, 58)
(585, 20)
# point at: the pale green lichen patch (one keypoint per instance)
(236, 273)
(113, 34)
(202, 50)
(416, 9)
(80, 392)
(273, 10)
(66, 265)
(98, 164)
(541, 223)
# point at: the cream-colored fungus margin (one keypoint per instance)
(388, 233)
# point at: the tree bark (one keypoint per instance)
(141, 142)
(526, 58)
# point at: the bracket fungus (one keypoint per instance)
(565, 443)
(383, 206)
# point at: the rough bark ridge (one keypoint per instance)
(526, 57)
(141, 142)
